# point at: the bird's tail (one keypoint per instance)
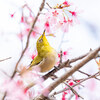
(25, 70)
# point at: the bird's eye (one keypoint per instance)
(41, 40)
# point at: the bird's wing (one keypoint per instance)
(36, 61)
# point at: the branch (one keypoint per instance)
(88, 74)
(61, 56)
(5, 59)
(52, 86)
(71, 88)
(92, 76)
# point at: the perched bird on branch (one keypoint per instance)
(47, 56)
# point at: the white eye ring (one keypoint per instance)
(41, 40)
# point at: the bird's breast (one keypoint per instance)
(49, 61)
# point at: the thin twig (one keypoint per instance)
(5, 59)
(55, 77)
(49, 5)
(92, 76)
(78, 58)
(5, 73)
(87, 74)
(71, 88)
(61, 56)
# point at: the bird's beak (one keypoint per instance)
(43, 34)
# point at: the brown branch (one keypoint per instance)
(52, 86)
(61, 56)
(78, 58)
(5, 59)
(3, 98)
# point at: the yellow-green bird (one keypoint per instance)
(47, 56)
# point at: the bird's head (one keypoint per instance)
(42, 41)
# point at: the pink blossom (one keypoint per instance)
(27, 29)
(65, 21)
(65, 27)
(34, 34)
(55, 13)
(78, 81)
(76, 97)
(22, 19)
(70, 21)
(12, 15)
(71, 83)
(25, 90)
(20, 35)
(66, 3)
(33, 56)
(64, 95)
(65, 24)
(65, 53)
(47, 26)
(59, 55)
(73, 13)
(19, 83)
(15, 90)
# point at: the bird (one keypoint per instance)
(46, 55)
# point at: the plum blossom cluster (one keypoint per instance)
(55, 18)
(15, 90)
(58, 17)
(64, 55)
(68, 92)
(18, 88)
